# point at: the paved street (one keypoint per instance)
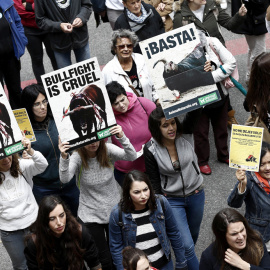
(219, 184)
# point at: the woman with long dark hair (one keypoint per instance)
(58, 241)
(253, 188)
(35, 101)
(258, 97)
(17, 203)
(145, 221)
(236, 245)
(93, 167)
(172, 166)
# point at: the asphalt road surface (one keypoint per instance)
(219, 184)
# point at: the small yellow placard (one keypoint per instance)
(24, 124)
(245, 148)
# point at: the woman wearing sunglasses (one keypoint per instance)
(128, 68)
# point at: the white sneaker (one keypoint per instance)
(223, 4)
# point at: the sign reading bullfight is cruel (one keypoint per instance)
(71, 79)
(79, 102)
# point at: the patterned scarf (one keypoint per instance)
(261, 182)
(136, 23)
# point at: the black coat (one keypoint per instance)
(90, 256)
(254, 23)
(209, 260)
(153, 25)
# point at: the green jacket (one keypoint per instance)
(213, 17)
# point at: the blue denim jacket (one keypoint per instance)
(257, 206)
(164, 225)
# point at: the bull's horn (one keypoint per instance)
(161, 60)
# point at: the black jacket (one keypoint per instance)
(153, 25)
(209, 260)
(254, 23)
(90, 255)
(213, 16)
(49, 17)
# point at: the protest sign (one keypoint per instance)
(176, 62)
(79, 102)
(24, 123)
(245, 148)
(10, 134)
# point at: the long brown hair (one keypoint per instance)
(126, 202)
(102, 155)
(259, 85)
(14, 169)
(252, 253)
(44, 239)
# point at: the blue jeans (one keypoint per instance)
(14, 243)
(63, 59)
(69, 194)
(188, 212)
(168, 266)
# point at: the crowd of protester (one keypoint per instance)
(130, 203)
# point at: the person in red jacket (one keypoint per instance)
(36, 37)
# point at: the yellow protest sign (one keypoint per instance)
(245, 147)
(24, 124)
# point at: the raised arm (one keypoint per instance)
(68, 165)
(116, 153)
(240, 190)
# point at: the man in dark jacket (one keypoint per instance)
(253, 28)
(66, 21)
(140, 18)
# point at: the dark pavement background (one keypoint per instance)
(220, 183)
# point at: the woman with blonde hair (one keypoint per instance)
(92, 165)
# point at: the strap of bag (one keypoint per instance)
(162, 203)
(143, 108)
(132, 87)
(120, 216)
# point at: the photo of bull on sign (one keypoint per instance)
(6, 132)
(192, 66)
(87, 108)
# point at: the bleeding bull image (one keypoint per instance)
(6, 132)
(176, 62)
(79, 103)
(87, 110)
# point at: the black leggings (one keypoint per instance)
(35, 39)
(100, 234)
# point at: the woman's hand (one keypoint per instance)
(26, 143)
(207, 67)
(235, 260)
(268, 14)
(63, 147)
(242, 10)
(117, 131)
(161, 6)
(242, 178)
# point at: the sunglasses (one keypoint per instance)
(121, 47)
